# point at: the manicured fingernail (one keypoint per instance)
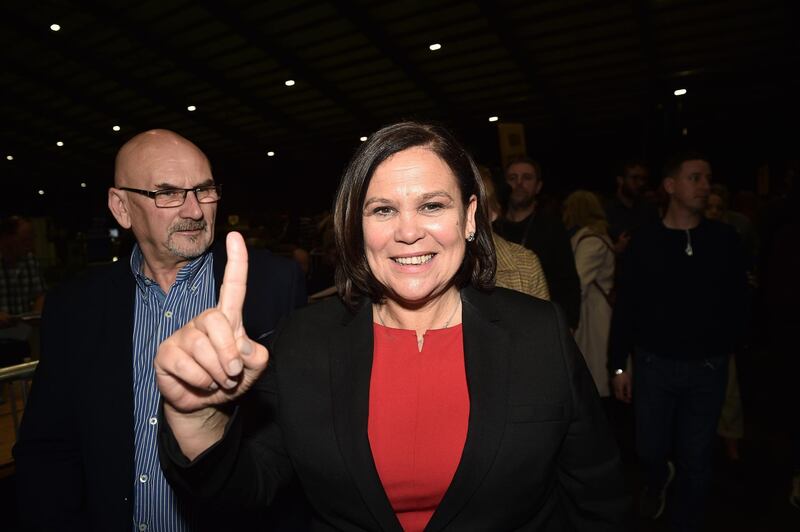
(244, 347)
(230, 383)
(234, 367)
(213, 386)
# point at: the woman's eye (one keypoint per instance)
(431, 207)
(382, 211)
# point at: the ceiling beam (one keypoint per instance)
(290, 60)
(357, 15)
(96, 104)
(182, 59)
(501, 24)
(87, 56)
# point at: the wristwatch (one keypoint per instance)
(618, 372)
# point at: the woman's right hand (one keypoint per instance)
(210, 361)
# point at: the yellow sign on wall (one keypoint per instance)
(512, 141)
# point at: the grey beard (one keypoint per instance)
(187, 254)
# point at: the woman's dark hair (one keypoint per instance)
(354, 279)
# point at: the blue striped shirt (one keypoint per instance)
(158, 315)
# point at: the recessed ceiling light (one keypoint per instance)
(116, 128)
(435, 46)
(270, 154)
(289, 82)
(41, 192)
(191, 108)
(680, 92)
(685, 131)
(83, 185)
(363, 139)
(10, 157)
(493, 119)
(59, 143)
(114, 259)
(55, 27)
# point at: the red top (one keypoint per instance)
(418, 415)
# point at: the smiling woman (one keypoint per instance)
(415, 227)
(418, 219)
(423, 398)
(427, 162)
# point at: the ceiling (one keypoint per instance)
(576, 73)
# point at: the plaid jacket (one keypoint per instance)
(518, 268)
(20, 285)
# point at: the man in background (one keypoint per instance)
(681, 292)
(628, 210)
(21, 288)
(543, 233)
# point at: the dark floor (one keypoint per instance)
(749, 496)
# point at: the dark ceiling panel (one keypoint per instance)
(582, 68)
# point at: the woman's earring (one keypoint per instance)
(471, 236)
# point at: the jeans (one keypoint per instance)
(677, 405)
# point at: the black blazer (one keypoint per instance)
(75, 453)
(538, 455)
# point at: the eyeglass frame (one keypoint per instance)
(153, 194)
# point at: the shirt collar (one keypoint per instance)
(186, 274)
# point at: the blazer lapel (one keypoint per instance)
(486, 358)
(220, 255)
(351, 369)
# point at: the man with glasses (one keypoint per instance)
(86, 458)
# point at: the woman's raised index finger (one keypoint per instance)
(234, 281)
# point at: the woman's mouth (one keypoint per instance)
(416, 260)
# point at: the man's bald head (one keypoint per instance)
(163, 161)
(139, 153)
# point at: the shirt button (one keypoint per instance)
(142, 527)
(153, 420)
(142, 478)
(168, 314)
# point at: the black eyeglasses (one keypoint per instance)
(175, 197)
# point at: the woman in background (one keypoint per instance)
(731, 420)
(594, 260)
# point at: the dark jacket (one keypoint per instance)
(680, 294)
(75, 453)
(538, 454)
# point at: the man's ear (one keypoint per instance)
(620, 180)
(538, 187)
(119, 208)
(669, 185)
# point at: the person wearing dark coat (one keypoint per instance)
(86, 455)
(420, 398)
